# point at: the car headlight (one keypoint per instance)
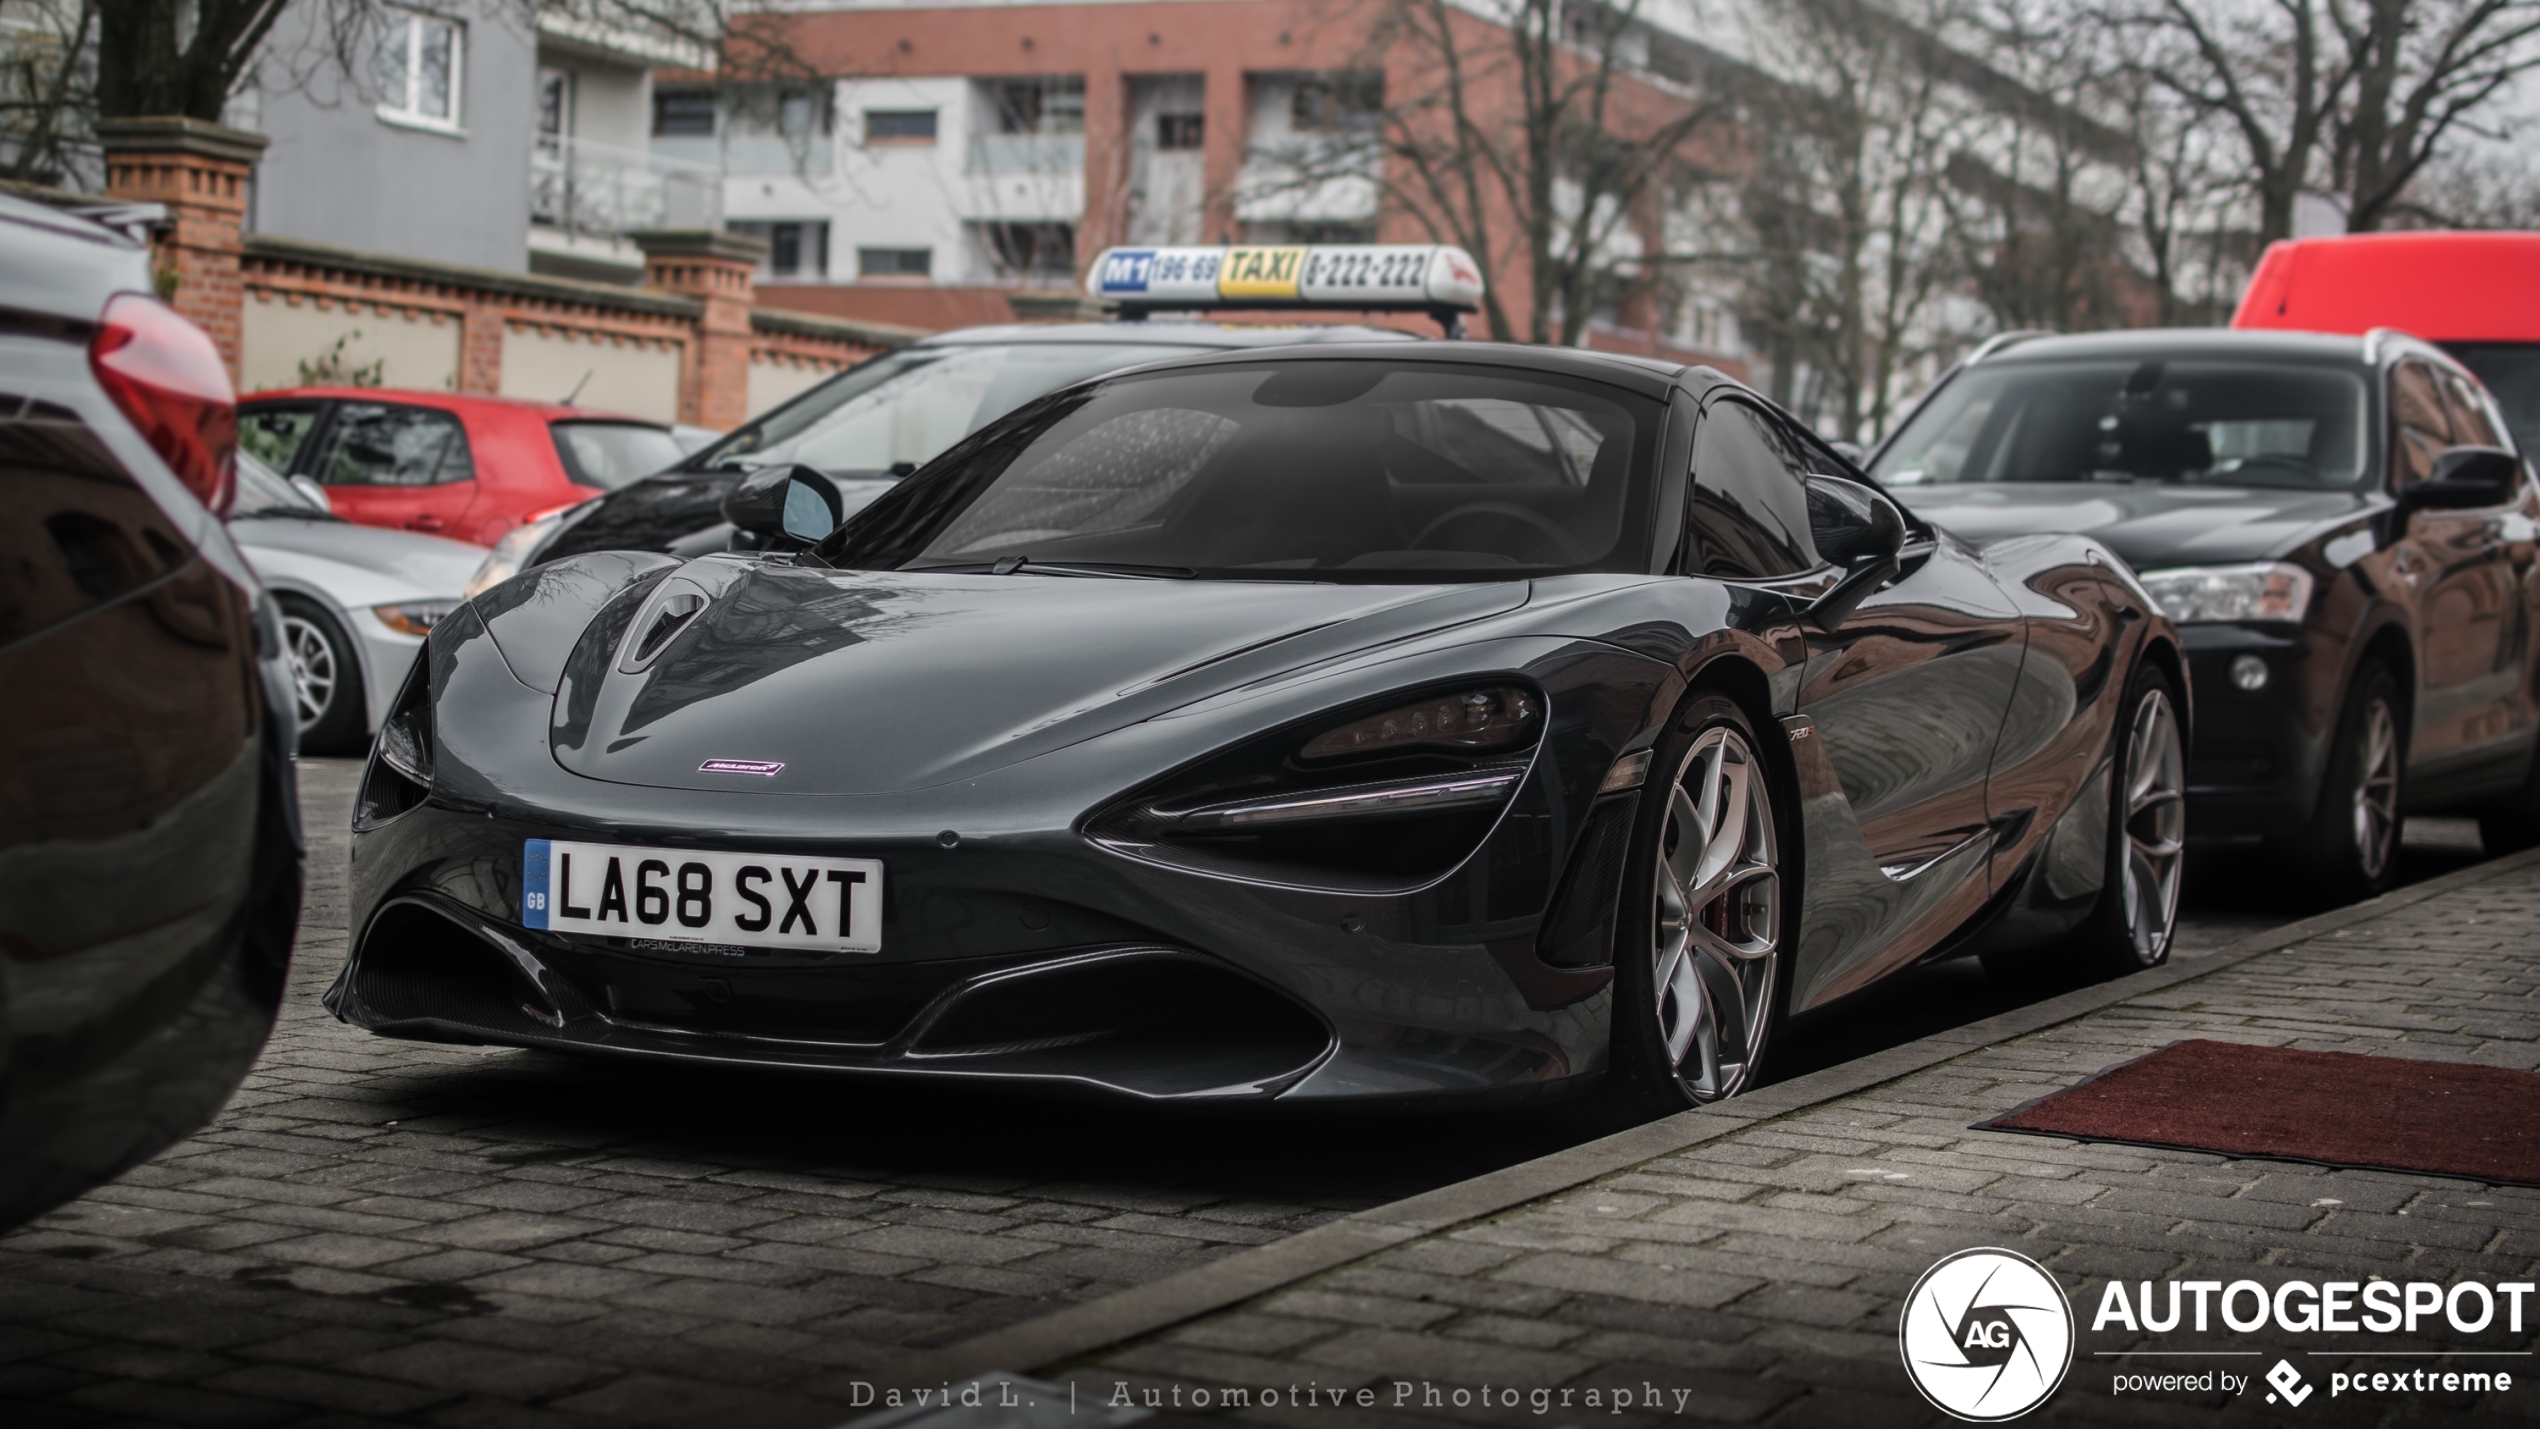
(399, 775)
(1470, 720)
(512, 551)
(413, 617)
(1386, 799)
(2266, 590)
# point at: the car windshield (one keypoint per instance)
(263, 492)
(896, 413)
(2221, 423)
(608, 455)
(2511, 371)
(1334, 469)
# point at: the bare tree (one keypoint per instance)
(1532, 133)
(48, 87)
(2361, 96)
(1851, 119)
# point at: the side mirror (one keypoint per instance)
(790, 503)
(315, 493)
(2465, 478)
(1859, 529)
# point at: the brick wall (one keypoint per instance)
(696, 317)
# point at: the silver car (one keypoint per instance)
(355, 600)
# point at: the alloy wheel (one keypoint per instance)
(313, 673)
(2155, 826)
(2376, 811)
(1718, 916)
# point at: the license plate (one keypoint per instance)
(751, 900)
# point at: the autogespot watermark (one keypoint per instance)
(1987, 1335)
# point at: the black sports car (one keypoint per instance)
(1341, 722)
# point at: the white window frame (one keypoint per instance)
(406, 110)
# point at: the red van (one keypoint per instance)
(453, 464)
(2477, 295)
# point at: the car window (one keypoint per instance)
(1748, 514)
(2217, 422)
(2473, 425)
(378, 444)
(1313, 470)
(2420, 430)
(608, 455)
(903, 409)
(274, 432)
(2511, 373)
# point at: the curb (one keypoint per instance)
(1082, 1330)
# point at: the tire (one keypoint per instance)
(2351, 849)
(1700, 947)
(326, 679)
(2137, 914)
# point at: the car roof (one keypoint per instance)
(2452, 287)
(1638, 374)
(1163, 332)
(2147, 343)
(448, 402)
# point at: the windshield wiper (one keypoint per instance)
(1025, 565)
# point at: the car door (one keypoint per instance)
(2455, 568)
(397, 465)
(280, 434)
(1900, 706)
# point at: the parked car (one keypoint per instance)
(355, 600)
(149, 833)
(2475, 295)
(448, 464)
(2340, 526)
(1335, 722)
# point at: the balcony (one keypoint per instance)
(580, 189)
(1051, 155)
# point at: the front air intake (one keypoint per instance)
(418, 967)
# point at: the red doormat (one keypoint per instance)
(2333, 1108)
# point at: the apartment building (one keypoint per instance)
(974, 157)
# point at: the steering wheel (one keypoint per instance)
(1564, 549)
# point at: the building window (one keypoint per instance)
(1180, 131)
(418, 69)
(895, 262)
(555, 107)
(899, 126)
(800, 112)
(1054, 105)
(683, 113)
(1335, 103)
(794, 250)
(1034, 252)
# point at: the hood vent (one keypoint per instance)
(672, 607)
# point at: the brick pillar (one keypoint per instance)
(200, 172)
(481, 344)
(713, 267)
(1228, 107)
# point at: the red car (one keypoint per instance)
(454, 464)
(2476, 295)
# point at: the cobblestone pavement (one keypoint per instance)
(1762, 1273)
(397, 1231)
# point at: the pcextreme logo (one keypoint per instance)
(1987, 1335)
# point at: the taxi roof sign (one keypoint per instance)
(1432, 278)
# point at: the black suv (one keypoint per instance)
(2341, 527)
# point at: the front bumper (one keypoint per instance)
(2254, 769)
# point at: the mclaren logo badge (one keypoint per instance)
(762, 767)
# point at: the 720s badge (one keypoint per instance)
(754, 900)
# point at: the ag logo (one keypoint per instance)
(1987, 1335)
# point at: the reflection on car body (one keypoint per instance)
(1345, 722)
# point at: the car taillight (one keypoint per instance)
(165, 375)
